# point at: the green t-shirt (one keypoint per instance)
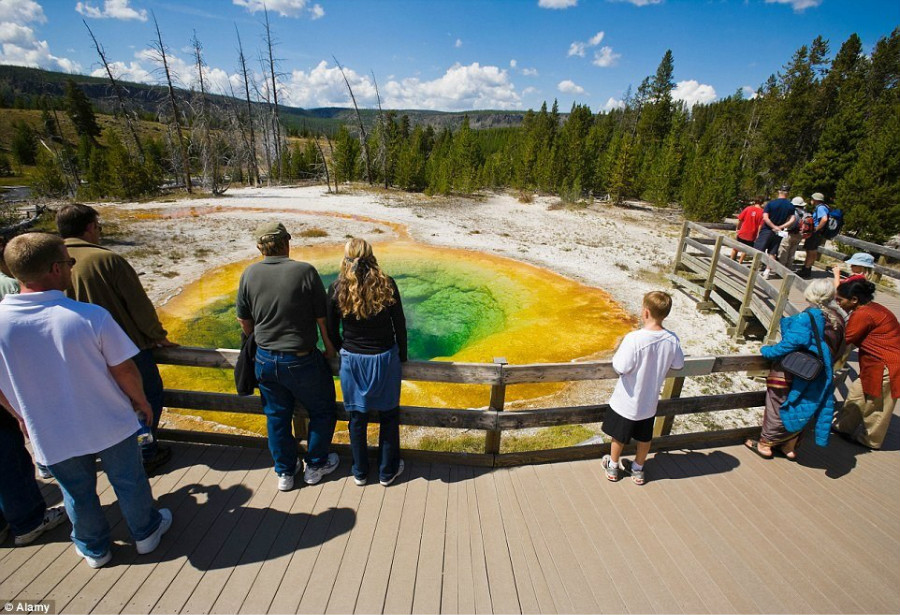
(283, 298)
(8, 285)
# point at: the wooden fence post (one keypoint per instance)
(705, 303)
(744, 310)
(671, 390)
(498, 399)
(684, 234)
(301, 428)
(783, 295)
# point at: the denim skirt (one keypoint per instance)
(371, 381)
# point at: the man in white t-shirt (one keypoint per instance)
(66, 375)
(642, 361)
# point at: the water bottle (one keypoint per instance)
(144, 435)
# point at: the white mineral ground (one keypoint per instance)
(623, 251)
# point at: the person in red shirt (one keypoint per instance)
(862, 266)
(870, 401)
(749, 222)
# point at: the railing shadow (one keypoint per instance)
(680, 464)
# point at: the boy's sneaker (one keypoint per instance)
(387, 481)
(95, 562)
(766, 273)
(314, 475)
(150, 543)
(286, 480)
(360, 482)
(52, 518)
(611, 469)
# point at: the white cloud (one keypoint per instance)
(605, 57)
(458, 43)
(530, 72)
(132, 71)
(639, 2)
(576, 49)
(570, 87)
(613, 103)
(513, 63)
(19, 45)
(798, 5)
(557, 4)
(460, 88)
(749, 92)
(285, 8)
(693, 92)
(112, 9)
(529, 90)
(596, 39)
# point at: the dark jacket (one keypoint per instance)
(245, 368)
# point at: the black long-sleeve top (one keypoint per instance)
(373, 335)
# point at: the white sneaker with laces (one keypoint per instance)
(148, 544)
(286, 480)
(360, 482)
(386, 482)
(95, 562)
(314, 475)
(52, 517)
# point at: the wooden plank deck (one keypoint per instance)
(714, 531)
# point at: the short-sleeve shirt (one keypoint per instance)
(779, 210)
(751, 219)
(55, 355)
(642, 361)
(820, 212)
(283, 298)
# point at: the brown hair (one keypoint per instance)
(362, 288)
(274, 245)
(73, 220)
(31, 256)
(659, 303)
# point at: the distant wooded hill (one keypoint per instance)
(23, 88)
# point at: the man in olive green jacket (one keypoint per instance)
(104, 278)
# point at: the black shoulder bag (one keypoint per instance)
(804, 364)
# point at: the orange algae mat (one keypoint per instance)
(460, 305)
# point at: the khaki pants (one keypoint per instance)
(865, 418)
(788, 249)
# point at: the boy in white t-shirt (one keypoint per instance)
(642, 361)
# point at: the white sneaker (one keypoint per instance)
(286, 480)
(385, 483)
(148, 544)
(314, 475)
(766, 274)
(52, 518)
(95, 562)
(360, 482)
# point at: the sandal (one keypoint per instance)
(612, 470)
(753, 445)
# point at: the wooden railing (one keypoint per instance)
(492, 419)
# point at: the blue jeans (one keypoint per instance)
(21, 503)
(153, 389)
(285, 379)
(77, 477)
(388, 443)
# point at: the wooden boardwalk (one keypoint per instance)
(714, 531)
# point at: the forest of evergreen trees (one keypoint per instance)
(826, 122)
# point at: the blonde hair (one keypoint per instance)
(31, 256)
(820, 293)
(659, 303)
(362, 288)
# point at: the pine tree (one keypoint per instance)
(24, 144)
(80, 111)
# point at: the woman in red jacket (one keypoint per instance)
(870, 401)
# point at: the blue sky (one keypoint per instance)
(448, 55)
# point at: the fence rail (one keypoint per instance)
(492, 419)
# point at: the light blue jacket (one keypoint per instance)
(808, 399)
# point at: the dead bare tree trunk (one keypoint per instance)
(324, 164)
(161, 50)
(210, 154)
(362, 131)
(117, 89)
(254, 165)
(276, 127)
(383, 144)
(331, 149)
(263, 94)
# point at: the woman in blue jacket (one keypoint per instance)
(792, 403)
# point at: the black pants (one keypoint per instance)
(388, 443)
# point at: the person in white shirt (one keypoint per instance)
(67, 377)
(642, 361)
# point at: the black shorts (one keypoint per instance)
(618, 427)
(746, 242)
(813, 242)
(767, 241)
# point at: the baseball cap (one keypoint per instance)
(270, 231)
(784, 188)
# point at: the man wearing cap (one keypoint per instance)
(105, 278)
(820, 219)
(282, 301)
(791, 242)
(778, 215)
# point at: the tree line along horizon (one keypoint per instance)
(821, 124)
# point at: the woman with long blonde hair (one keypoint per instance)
(366, 322)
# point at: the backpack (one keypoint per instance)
(835, 223)
(807, 227)
(799, 216)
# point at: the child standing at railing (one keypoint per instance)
(642, 361)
